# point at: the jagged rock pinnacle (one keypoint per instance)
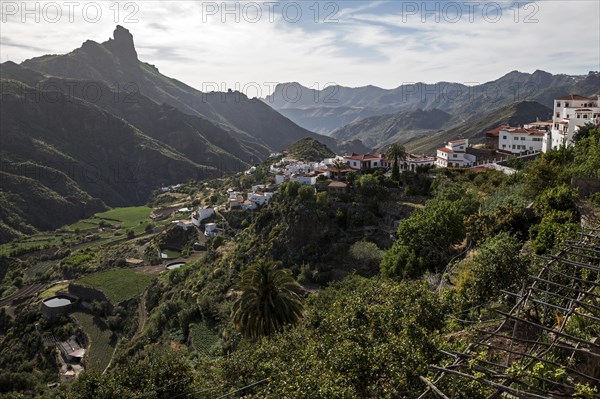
(122, 44)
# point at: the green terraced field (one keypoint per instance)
(102, 340)
(135, 218)
(118, 284)
(204, 339)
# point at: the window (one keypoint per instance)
(503, 137)
(454, 156)
(558, 104)
(503, 145)
(558, 114)
(516, 139)
(522, 138)
(566, 104)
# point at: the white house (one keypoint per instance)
(517, 140)
(454, 155)
(204, 212)
(249, 205)
(280, 178)
(570, 113)
(308, 179)
(210, 230)
(366, 161)
(260, 198)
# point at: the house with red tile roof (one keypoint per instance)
(454, 155)
(516, 140)
(491, 136)
(366, 161)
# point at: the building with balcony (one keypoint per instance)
(570, 113)
(516, 140)
(454, 155)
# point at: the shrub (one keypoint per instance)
(497, 266)
(560, 198)
(306, 193)
(366, 254)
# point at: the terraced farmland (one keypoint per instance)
(204, 340)
(135, 218)
(102, 341)
(118, 284)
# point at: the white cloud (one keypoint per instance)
(366, 46)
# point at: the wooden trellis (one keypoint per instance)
(567, 286)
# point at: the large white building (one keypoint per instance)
(517, 140)
(454, 155)
(204, 212)
(570, 113)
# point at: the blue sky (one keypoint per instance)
(351, 43)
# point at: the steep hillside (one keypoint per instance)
(310, 150)
(327, 110)
(514, 114)
(115, 63)
(65, 158)
(377, 131)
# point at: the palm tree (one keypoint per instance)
(396, 152)
(339, 165)
(269, 300)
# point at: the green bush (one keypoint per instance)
(497, 266)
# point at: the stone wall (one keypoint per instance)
(585, 186)
(89, 294)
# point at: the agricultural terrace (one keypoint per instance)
(102, 340)
(118, 284)
(135, 218)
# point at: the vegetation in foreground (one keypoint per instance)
(469, 241)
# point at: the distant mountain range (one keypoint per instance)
(97, 128)
(376, 131)
(331, 110)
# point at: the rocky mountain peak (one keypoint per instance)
(122, 44)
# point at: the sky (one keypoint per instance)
(252, 45)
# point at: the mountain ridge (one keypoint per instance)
(332, 108)
(116, 60)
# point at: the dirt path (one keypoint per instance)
(23, 292)
(142, 314)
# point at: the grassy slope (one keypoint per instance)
(134, 217)
(118, 284)
(102, 340)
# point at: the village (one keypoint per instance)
(501, 143)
